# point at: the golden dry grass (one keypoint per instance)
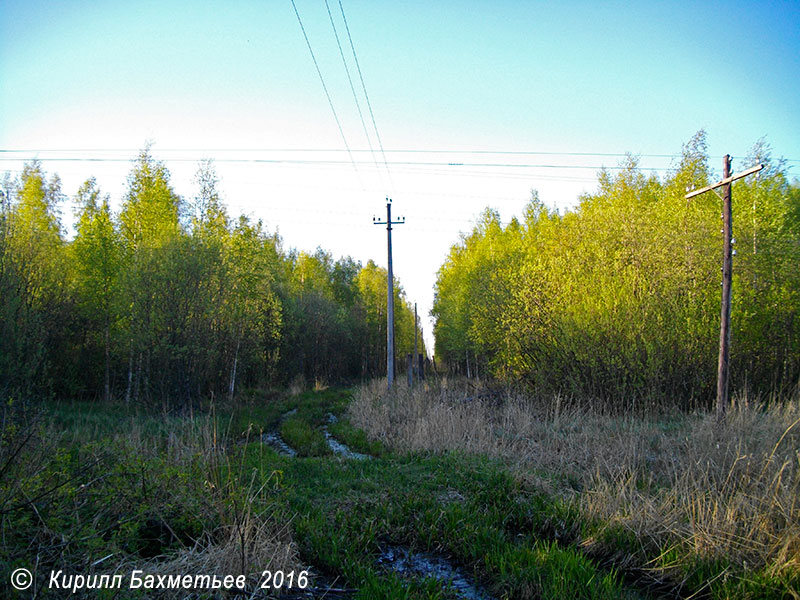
(680, 483)
(247, 546)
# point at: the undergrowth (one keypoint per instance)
(100, 489)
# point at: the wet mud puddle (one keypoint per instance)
(338, 447)
(275, 441)
(426, 564)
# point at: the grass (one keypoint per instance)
(101, 489)
(672, 498)
(466, 508)
(356, 439)
(528, 499)
(110, 486)
(303, 438)
(259, 411)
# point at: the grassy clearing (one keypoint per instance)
(526, 499)
(105, 489)
(671, 498)
(468, 509)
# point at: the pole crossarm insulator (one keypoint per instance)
(725, 181)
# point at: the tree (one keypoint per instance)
(36, 287)
(619, 298)
(149, 227)
(253, 311)
(97, 249)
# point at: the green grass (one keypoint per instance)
(261, 411)
(303, 438)
(151, 487)
(86, 482)
(464, 507)
(356, 439)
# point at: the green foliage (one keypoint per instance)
(97, 252)
(168, 301)
(371, 284)
(35, 285)
(619, 298)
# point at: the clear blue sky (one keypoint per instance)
(199, 78)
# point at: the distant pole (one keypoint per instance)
(727, 271)
(421, 362)
(415, 338)
(727, 275)
(389, 292)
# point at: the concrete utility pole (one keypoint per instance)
(389, 291)
(727, 275)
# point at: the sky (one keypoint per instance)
(474, 104)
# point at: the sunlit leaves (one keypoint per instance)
(619, 298)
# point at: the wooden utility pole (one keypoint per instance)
(389, 291)
(727, 275)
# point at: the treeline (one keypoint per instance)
(619, 299)
(170, 300)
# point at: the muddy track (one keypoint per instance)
(436, 566)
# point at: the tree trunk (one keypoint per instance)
(233, 371)
(130, 376)
(137, 378)
(107, 386)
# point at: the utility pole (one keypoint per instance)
(727, 275)
(389, 291)
(414, 362)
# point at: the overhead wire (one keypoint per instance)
(325, 88)
(353, 90)
(357, 150)
(366, 95)
(307, 161)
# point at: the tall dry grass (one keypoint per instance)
(251, 533)
(678, 482)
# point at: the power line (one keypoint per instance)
(358, 150)
(422, 171)
(352, 89)
(284, 161)
(366, 95)
(324, 87)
